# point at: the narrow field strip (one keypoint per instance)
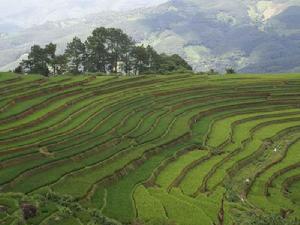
(259, 144)
(240, 140)
(257, 194)
(168, 175)
(234, 145)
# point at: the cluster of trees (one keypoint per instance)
(214, 72)
(43, 61)
(107, 50)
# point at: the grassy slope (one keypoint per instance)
(161, 149)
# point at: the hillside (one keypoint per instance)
(255, 36)
(24, 14)
(180, 149)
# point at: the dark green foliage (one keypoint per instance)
(59, 64)
(37, 61)
(230, 71)
(96, 51)
(172, 63)
(107, 50)
(118, 45)
(212, 72)
(75, 55)
(145, 60)
(18, 69)
(148, 61)
(44, 61)
(141, 59)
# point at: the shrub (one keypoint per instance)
(28, 210)
(230, 71)
(269, 219)
(18, 69)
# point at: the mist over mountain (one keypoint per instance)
(26, 13)
(253, 36)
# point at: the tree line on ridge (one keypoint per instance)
(106, 50)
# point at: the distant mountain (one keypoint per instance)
(36, 12)
(253, 36)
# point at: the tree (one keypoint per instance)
(105, 48)
(96, 51)
(44, 61)
(75, 55)
(118, 45)
(153, 59)
(230, 71)
(49, 51)
(18, 69)
(104, 51)
(180, 63)
(172, 63)
(37, 61)
(60, 64)
(212, 72)
(140, 59)
(56, 63)
(147, 61)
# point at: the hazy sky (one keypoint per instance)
(29, 12)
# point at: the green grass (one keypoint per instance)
(148, 207)
(168, 175)
(181, 210)
(157, 149)
(194, 178)
(119, 197)
(240, 132)
(257, 195)
(295, 195)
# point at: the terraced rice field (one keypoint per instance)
(180, 149)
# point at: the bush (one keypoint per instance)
(269, 219)
(18, 69)
(212, 72)
(28, 210)
(230, 71)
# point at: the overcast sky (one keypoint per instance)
(30, 12)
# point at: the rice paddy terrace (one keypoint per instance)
(184, 149)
